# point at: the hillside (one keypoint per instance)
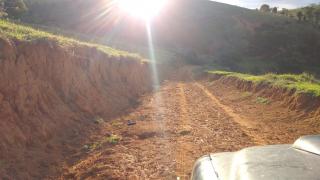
(202, 32)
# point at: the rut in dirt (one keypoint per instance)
(175, 126)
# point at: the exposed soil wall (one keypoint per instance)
(51, 95)
(289, 97)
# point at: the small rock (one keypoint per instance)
(184, 133)
(107, 134)
(131, 123)
(99, 120)
(86, 147)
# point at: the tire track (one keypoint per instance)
(175, 126)
(183, 121)
(208, 129)
(244, 124)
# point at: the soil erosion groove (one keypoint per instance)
(244, 124)
(184, 124)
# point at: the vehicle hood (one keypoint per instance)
(298, 161)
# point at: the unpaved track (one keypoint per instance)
(175, 126)
(245, 123)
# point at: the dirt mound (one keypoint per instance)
(289, 97)
(51, 96)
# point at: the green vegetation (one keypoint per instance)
(310, 14)
(265, 8)
(233, 38)
(12, 8)
(262, 100)
(116, 124)
(112, 139)
(302, 83)
(246, 95)
(26, 33)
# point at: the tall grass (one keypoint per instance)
(302, 83)
(26, 33)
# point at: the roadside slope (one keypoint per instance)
(53, 92)
(286, 113)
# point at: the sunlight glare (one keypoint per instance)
(143, 9)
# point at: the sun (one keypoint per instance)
(142, 9)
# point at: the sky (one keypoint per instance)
(252, 4)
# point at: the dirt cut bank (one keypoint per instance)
(277, 115)
(289, 97)
(51, 96)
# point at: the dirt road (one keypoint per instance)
(174, 126)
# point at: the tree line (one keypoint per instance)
(12, 8)
(310, 14)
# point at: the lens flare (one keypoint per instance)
(143, 9)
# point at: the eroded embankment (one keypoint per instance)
(269, 114)
(289, 97)
(51, 96)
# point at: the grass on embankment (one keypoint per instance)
(302, 83)
(26, 33)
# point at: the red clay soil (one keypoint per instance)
(175, 126)
(51, 97)
(180, 123)
(276, 116)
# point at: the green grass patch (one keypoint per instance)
(302, 83)
(113, 139)
(262, 100)
(116, 124)
(246, 95)
(27, 33)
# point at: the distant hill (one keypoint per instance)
(203, 32)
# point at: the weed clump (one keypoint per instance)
(112, 139)
(261, 100)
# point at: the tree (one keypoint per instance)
(316, 16)
(299, 15)
(2, 9)
(15, 8)
(284, 12)
(309, 13)
(265, 8)
(275, 10)
(304, 18)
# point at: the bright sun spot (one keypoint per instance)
(143, 9)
